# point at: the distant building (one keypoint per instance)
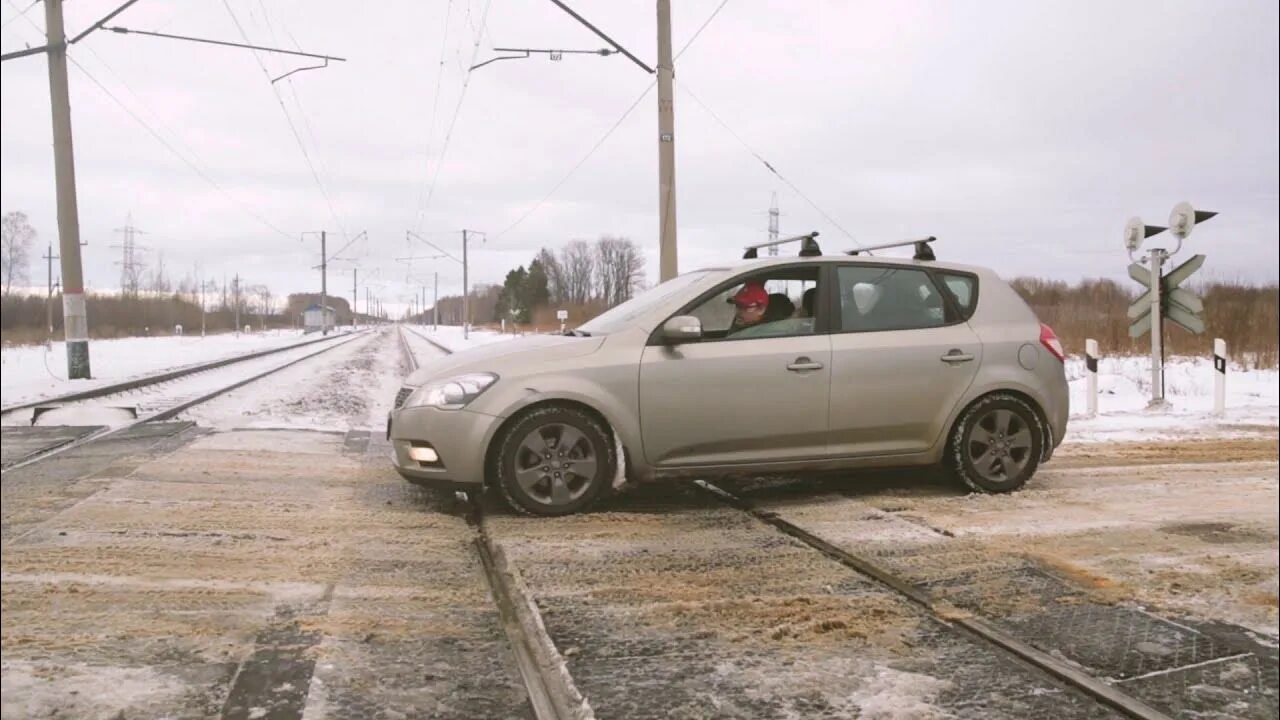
(314, 315)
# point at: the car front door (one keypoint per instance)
(746, 397)
(901, 358)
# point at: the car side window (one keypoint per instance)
(888, 298)
(777, 303)
(964, 290)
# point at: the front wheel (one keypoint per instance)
(997, 444)
(555, 461)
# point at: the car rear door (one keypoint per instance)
(901, 359)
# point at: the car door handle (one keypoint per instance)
(956, 357)
(804, 364)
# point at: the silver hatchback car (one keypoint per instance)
(777, 365)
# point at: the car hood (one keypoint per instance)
(497, 356)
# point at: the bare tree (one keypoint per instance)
(264, 304)
(606, 261)
(619, 269)
(18, 237)
(577, 262)
(157, 280)
(629, 269)
(555, 275)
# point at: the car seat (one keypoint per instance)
(780, 308)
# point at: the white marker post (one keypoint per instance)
(1091, 368)
(1219, 377)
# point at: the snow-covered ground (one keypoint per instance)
(351, 387)
(1124, 390)
(450, 336)
(31, 372)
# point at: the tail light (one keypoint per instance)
(1051, 342)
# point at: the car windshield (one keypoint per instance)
(617, 318)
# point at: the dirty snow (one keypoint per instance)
(896, 695)
(54, 689)
(32, 372)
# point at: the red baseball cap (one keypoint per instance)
(751, 294)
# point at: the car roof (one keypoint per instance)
(762, 263)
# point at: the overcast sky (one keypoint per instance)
(1021, 134)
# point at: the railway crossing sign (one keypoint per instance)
(1180, 306)
(1164, 299)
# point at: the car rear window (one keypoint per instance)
(964, 291)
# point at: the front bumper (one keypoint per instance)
(459, 437)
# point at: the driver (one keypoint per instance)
(750, 304)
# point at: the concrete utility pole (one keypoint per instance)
(353, 298)
(49, 257)
(324, 287)
(423, 319)
(435, 303)
(203, 283)
(75, 317)
(466, 295)
(235, 299)
(666, 147)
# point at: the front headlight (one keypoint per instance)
(453, 393)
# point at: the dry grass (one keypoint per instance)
(1246, 316)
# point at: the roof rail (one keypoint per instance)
(923, 251)
(808, 246)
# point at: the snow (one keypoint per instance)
(450, 336)
(349, 388)
(123, 408)
(1124, 390)
(32, 372)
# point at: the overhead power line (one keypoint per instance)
(581, 161)
(190, 158)
(21, 13)
(625, 114)
(701, 27)
(435, 105)
(462, 95)
(768, 166)
(437, 248)
(289, 118)
(176, 153)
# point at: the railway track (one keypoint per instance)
(157, 378)
(1048, 661)
(1055, 656)
(542, 670)
(164, 396)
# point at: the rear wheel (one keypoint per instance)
(997, 444)
(555, 461)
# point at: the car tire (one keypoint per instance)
(996, 445)
(573, 466)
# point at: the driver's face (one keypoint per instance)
(750, 314)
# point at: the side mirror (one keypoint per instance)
(682, 328)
